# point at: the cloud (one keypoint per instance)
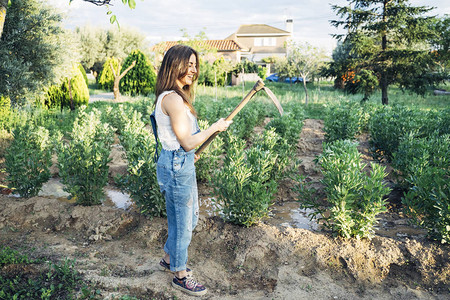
(162, 20)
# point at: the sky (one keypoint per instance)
(162, 20)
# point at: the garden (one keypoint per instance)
(375, 191)
(343, 196)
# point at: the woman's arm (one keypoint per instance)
(174, 107)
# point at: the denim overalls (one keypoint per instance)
(175, 171)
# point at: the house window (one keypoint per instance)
(267, 41)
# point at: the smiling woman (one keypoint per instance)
(179, 134)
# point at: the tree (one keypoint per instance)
(389, 38)
(341, 65)
(120, 43)
(91, 42)
(118, 76)
(106, 77)
(303, 61)
(96, 44)
(441, 43)
(141, 79)
(34, 50)
(71, 92)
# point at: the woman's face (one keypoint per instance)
(189, 77)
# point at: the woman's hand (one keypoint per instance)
(196, 157)
(221, 125)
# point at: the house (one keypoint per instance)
(262, 40)
(229, 49)
(250, 42)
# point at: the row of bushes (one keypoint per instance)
(354, 198)
(83, 156)
(417, 144)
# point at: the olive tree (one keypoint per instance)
(303, 61)
(35, 51)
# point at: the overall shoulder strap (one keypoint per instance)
(155, 133)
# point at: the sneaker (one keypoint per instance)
(163, 266)
(189, 286)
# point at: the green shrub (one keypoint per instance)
(246, 66)
(288, 126)
(5, 113)
(28, 160)
(281, 151)
(389, 124)
(210, 157)
(424, 164)
(83, 72)
(354, 198)
(117, 116)
(59, 95)
(83, 159)
(207, 76)
(141, 79)
(437, 122)
(414, 154)
(106, 77)
(54, 97)
(213, 74)
(245, 122)
(343, 122)
(53, 119)
(243, 187)
(10, 256)
(141, 181)
(428, 201)
(262, 72)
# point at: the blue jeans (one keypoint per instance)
(176, 178)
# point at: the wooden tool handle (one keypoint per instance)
(257, 87)
(206, 143)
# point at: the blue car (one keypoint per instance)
(274, 78)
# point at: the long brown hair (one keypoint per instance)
(175, 65)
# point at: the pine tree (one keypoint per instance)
(390, 38)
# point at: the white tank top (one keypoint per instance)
(166, 135)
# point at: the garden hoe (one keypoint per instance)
(256, 88)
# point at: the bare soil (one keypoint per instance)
(118, 250)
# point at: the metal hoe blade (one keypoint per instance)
(274, 99)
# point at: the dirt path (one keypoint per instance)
(119, 251)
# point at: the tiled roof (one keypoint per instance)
(259, 29)
(220, 45)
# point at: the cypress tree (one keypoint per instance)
(141, 79)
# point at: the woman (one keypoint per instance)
(179, 135)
